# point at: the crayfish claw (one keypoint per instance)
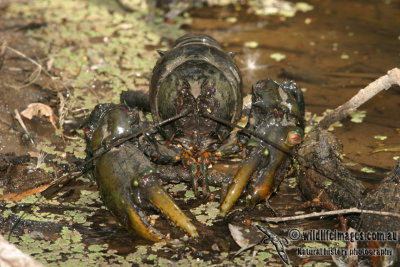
(129, 185)
(239, 183)
(163, 201)
(126, 178)
(275, 120)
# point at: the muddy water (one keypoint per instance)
(332, 52)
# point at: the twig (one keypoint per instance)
(15, 128)
(383, 83)
(24, 56)
(21, 122)
(37, 71)
(63, 112)
(328, 206)
(2, 54)
(326, 213)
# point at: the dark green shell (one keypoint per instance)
(194, 62)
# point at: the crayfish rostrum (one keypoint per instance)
(195, 102)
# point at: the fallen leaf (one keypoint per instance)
(39, 109)
(27, 193)
(245, 236)
(237, 235)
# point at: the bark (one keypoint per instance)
(323, 175)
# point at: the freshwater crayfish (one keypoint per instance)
(195, 102)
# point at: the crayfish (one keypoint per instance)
(196, 103)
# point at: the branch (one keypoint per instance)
(33, 77)
(326, 213)
(383, 83)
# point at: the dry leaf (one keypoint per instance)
(27, 193)
(237, 235)
(39, 109)
(245, 236)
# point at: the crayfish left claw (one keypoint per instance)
(276, 121)
(264, 160)
(239, 183)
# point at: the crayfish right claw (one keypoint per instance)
(128, 191)
(126, 178)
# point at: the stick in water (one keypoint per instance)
(326, 213)
(383, 83)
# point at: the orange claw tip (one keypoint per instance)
(141, 228)
(257, 196)
(159, 198)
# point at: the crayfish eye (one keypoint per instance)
(293, 138)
